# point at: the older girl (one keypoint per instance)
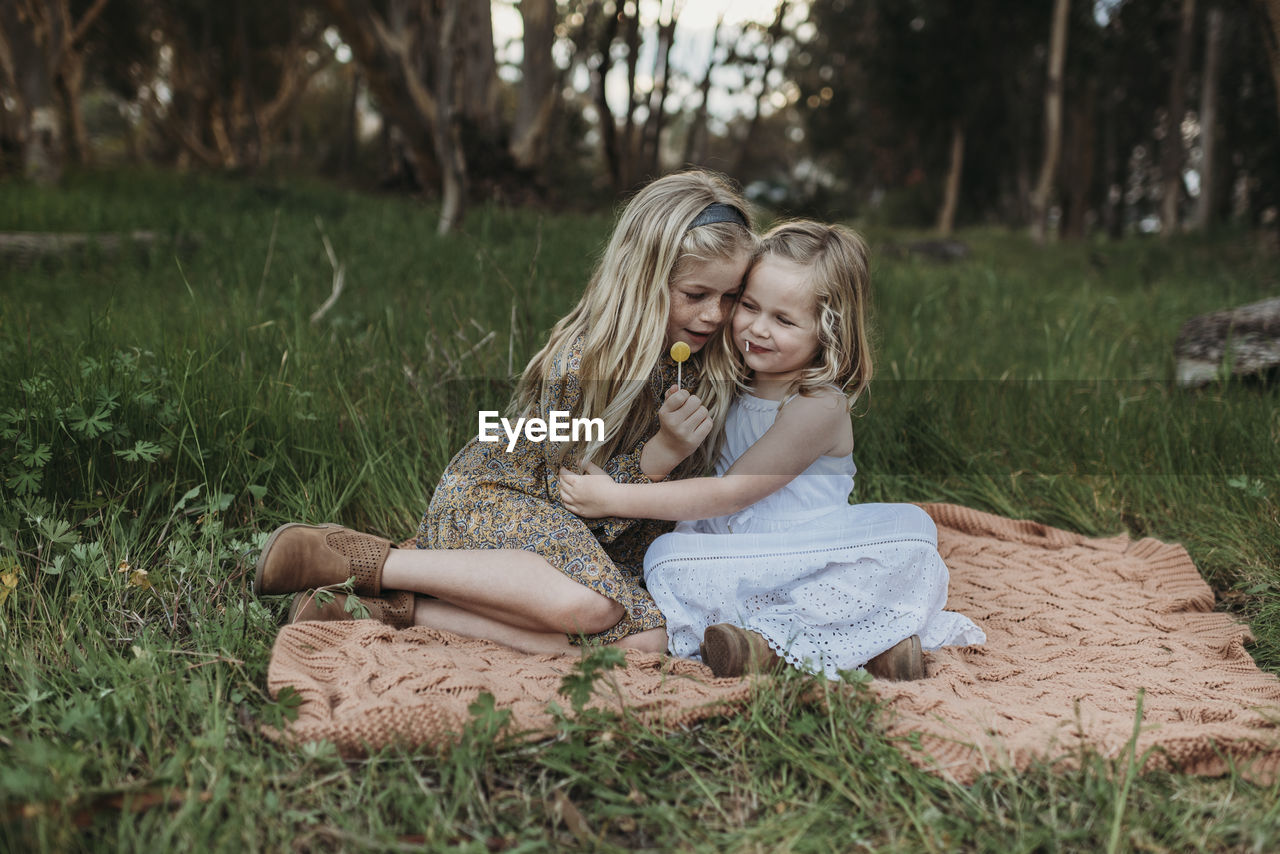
(498, 555)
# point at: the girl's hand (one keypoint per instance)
(592, 495)
(684, 423)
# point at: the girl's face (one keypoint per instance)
(702, 299)
(775, 325)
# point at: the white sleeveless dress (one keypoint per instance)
(829, 584)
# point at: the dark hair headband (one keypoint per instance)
(718, 212)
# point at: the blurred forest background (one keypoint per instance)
(1064, 117)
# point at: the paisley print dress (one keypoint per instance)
(489, 498)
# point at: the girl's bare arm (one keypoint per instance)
(806, 428)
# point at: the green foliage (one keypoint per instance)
(594, 665)
(487, 721)
(160, 414)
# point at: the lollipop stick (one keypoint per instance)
(679, 366)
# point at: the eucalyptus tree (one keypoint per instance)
(42, 58)
(925, 100)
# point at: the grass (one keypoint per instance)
(161, 410)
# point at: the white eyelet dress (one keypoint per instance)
(829, 584)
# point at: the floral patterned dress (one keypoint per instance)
(489, 498)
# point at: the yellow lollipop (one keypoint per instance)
(679, 351)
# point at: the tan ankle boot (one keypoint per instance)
(902, 662)
(303, 557)
(731, 650)
(395, 609)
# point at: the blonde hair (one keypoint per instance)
(839, 273)
(622, 318)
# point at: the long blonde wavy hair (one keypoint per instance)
(840, 274)
(622, 318)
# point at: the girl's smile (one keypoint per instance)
(775, 323)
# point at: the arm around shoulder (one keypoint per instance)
(806, 429)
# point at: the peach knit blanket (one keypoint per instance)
(1076, 627)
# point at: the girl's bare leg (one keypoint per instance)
(652, 640)
(451, 618)
(511, 586)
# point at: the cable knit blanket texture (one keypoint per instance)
(1076, 627)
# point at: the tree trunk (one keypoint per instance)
(42, 155)
(132, 133)
(390, 56)
(41, 53)
(478, 70)
(249, 140)
(1079, 162)
(771, 37)
(28, 44)
(1113, 210)
(1052, 123)
(1209, 121)
(70, 84)
(233, 95)
(1172, 153)
(651, 133)
(536, 95)
(269, 119)
(627, 143)
(448, 142)
(695, 143)
(951, 198)
(8, 68)
(67, 65)
(1271, 9)
(1023, 185)
(351, 127)
(598, 66)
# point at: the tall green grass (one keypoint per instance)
(161, 409)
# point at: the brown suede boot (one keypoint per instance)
(901, 662)
(730, 650)
(303, 557)
(395, 609)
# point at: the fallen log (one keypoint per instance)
(24, 248)
(1235, 342)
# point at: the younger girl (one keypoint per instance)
(823, 584)
(498, 555)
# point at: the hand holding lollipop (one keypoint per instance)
(679, 351)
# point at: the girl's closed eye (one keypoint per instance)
(695, 296)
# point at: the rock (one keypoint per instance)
(1244, 340)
